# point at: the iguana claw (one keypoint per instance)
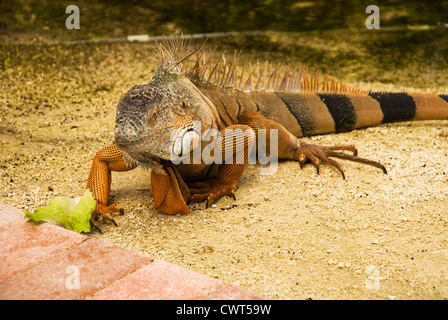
(105, 215)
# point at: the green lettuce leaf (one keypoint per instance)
(73, 214)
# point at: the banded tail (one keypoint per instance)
(319, 113)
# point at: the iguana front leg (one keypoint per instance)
(169, 191)
(106, 160)
(290, 147)
(236, 145)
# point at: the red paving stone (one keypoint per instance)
(27, 244)
(43, 261)
(98, 264)
(160, 281)
(10, 216)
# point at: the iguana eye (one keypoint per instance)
(154, 113)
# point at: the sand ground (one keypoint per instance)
(290, 235)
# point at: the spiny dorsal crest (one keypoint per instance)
(207, 66)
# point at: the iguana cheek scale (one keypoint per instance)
(158, 119)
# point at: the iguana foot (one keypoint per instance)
(104, 213)
(211, 191)
(320, 154)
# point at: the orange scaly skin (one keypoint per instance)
(170, 192)
(106, 160)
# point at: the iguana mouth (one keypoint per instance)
(180, 145)
(139, 153)
(145, 162)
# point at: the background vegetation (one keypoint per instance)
(410, 48)
(113, 18)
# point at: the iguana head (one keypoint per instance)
(154, 121)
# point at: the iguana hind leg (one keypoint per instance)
(290, 147)
(106, 160)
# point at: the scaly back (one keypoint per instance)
(303, 101)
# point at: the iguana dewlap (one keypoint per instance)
(160, 119)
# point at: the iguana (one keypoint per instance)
(215, 92)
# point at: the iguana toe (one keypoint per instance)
(104, 213)
(97, 224)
